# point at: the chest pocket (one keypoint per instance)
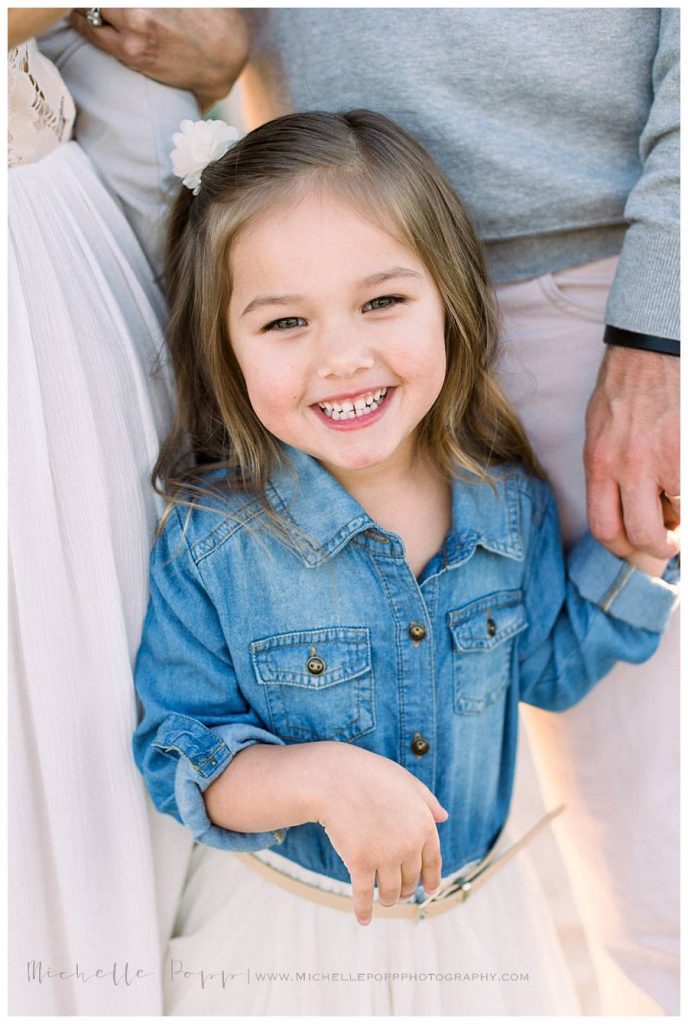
(483, 635)
(318, 683)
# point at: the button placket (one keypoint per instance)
(415, 659)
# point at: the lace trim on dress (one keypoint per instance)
(41, 110)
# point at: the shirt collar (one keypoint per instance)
(326, 517)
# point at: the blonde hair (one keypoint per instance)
(375, 164)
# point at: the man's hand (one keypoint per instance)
(201, 49)
(632, 453)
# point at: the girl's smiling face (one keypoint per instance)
(339, 332)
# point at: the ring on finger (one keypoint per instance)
(94, 17)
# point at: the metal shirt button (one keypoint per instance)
(417, 632)
(491, 627)
(419, 744)
(315, 665)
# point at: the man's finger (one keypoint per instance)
(643, 519)
(605, 517)
(671, 509)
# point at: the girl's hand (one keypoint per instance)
(671, 517)
(382, 821)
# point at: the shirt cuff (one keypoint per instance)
(643, 342)
(645, 295)
(672, 573)
(204, 754)
(621, 590)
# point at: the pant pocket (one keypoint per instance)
(581, 292)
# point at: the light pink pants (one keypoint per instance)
(613, 759)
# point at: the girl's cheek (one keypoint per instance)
(270, 398)
(424, 363)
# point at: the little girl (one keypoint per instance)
(358, 577)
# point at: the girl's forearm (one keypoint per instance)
(268, 787)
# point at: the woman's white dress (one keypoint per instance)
(94, 872)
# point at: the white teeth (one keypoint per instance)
(350, 410)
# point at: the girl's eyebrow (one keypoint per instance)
(271, 300)
(387, 275)
(372, 279)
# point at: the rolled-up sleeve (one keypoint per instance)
(585, 612)
(194, 717)
(619, 589)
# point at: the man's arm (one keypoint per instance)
(632, 444)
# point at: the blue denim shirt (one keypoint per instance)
(248, 640)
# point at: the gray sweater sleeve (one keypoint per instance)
(645, 293)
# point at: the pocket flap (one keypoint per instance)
(482, 624)
(314, 658)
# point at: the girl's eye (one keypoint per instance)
(285, 323)
(383, 302)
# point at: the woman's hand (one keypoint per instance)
(382, 821)
(25, 22)
(201, 49)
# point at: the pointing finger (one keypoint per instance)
(363, 884)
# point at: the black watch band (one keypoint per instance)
(645, 342)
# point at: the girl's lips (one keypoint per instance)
(356, 422)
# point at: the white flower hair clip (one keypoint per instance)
(197, 145)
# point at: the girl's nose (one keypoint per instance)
(342, 353)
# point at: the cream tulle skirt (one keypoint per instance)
(243, 945)
(94, 875)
